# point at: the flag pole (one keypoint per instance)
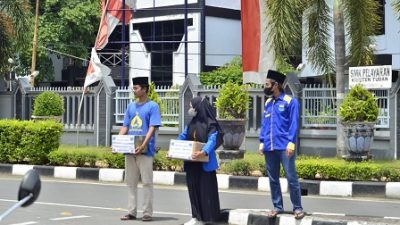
(79, 117)
(123, 46)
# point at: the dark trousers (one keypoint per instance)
(203, 192)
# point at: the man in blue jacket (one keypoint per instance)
(278, 142)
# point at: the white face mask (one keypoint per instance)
(192, 112)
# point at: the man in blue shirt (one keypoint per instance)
(278, 142)
(142, 118)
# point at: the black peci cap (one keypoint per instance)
(140, 81)
(275, 75)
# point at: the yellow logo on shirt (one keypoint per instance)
(136, 122)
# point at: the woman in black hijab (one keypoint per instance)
(201, 178)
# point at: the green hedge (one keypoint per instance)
(102, 157)
(341, 170)
(28, 141)
(312, 168)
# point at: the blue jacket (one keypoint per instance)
(279, 123)
(208, 148)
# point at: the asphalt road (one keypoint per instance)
(90, 203)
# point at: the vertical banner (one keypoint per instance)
(257, 50)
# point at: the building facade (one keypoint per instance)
(157, 38)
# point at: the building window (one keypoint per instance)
(161, 53)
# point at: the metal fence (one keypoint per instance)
(72, 97)
(169, 104)
(319, 107)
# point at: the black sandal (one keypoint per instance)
(128, 217)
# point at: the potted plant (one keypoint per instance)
(232, 104)
(359, 113)
(48, 105)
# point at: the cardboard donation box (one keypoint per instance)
(126, 144)
(179, 149)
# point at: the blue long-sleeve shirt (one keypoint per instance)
(279, 124)
(208, 148)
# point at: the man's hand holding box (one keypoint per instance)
(127, 144)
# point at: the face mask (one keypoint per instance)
(192, 112)
(268, 91)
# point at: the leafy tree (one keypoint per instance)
(69, 26)
(65, 26)
(14, 23)
(396, 7)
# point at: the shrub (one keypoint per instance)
(28, 141)
(231, 72)
(153, 96)
(359, 106)
(48, 103)
(80, 157)
(232, 102)
(237, 167)
(162, 163)
(114, 160)
(59, 158)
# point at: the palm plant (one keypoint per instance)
(15, 17)
(357, 19)
(396, 7)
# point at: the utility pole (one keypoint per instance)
(35, 43)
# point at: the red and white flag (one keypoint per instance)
(257, 50)
(96, 70)
(111, 16)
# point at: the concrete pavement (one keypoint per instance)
(389, 190)
(258, 217)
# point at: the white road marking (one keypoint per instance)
(393, 218)
(69, 218)
(26, 223)
(96, 207)
(328, 214)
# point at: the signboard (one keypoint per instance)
(371, 77)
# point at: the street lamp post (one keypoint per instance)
(11, 61)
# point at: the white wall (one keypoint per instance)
(390, 42)
(194, 51)
(139, 58)
(223, 40)
(160, 3)
(143, 61)
(229, 4)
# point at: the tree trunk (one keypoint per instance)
(340, 58)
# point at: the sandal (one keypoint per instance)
(299, 214)
(128, 217)
(273, 213)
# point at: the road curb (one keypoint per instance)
(259, 217)
(309, 187)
